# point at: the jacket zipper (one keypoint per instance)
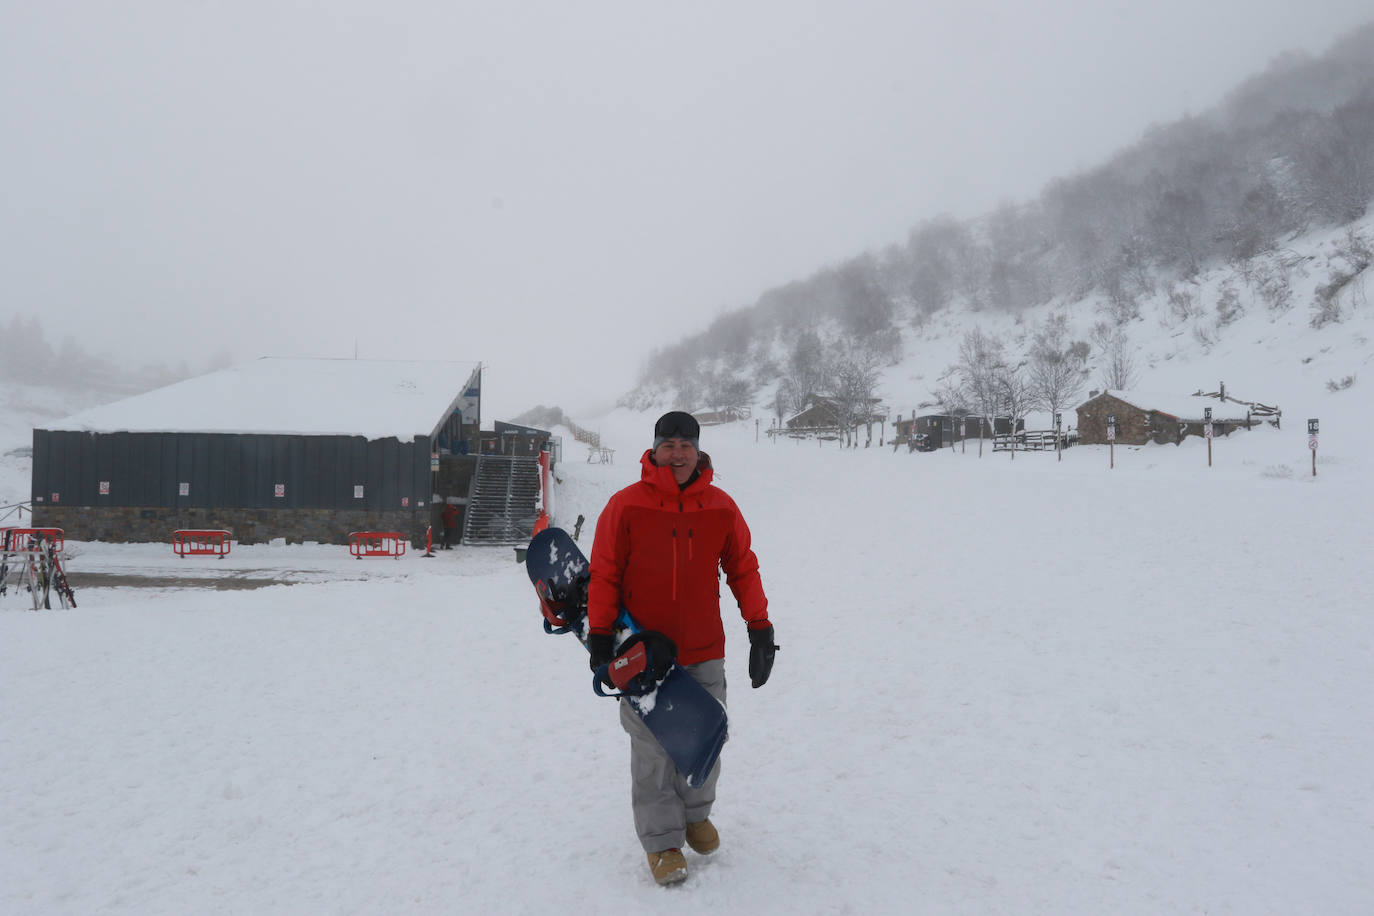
(681, 509)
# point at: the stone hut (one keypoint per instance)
(1161, 418)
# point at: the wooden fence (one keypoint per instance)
(1041, 440)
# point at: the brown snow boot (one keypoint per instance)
(668, 866)
(702, 837)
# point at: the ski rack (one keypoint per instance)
(201, 542)
(39, 570)
(376, 544)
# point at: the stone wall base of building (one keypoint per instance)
(139, 524)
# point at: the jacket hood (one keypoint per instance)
(661, 478)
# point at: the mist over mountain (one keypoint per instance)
(28, 357)
(1288, 153)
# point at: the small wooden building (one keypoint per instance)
(822, 415)
(943, 429)
(1161, 418)
(710, 417)
(517, 439)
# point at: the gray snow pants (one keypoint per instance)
(662, 801)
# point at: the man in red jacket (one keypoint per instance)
(659, 547)
(450, 520)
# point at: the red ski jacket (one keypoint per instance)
(659, 550)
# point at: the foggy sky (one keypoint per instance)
(552, 188)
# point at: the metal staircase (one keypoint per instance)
(504, 501)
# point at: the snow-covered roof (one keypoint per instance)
(1183, 406)
(349, 397)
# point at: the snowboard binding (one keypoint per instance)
(563, 607)
(643, 661)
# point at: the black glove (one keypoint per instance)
(761, 651)
(602, 648)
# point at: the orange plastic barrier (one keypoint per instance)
(376, 544)
(18, 538)
(545, 490)
(206, 542)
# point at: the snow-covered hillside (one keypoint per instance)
(1252, 331)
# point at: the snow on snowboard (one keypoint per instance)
(688, 722)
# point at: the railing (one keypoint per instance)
(503, 507)
(1253, 408)
(376, 544)
(583, 435)
(1031, 441)
(828, 433)
(189, 542)
(16, 509)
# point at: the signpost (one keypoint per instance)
(1207, 431)
(1312, 443)
(1111, 438)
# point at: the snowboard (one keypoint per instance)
(688, 722)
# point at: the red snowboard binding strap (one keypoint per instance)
(562, 609)
(644, 660)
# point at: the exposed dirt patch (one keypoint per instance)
(79, 581)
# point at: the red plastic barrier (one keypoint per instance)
(376, 544)
(201, 542)
(18, 538)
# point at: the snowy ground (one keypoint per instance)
(1004, 687)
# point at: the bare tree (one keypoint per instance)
(854, 380)
(807, 371)
(729, 394)
(1014, 398)
(1054, 370)
(1119, 370)
(780, 404)
(980, 359)
(950, 398)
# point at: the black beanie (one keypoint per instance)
(677, 425)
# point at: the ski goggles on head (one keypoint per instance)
(677, 425)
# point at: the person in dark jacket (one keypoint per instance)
(658, 550)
